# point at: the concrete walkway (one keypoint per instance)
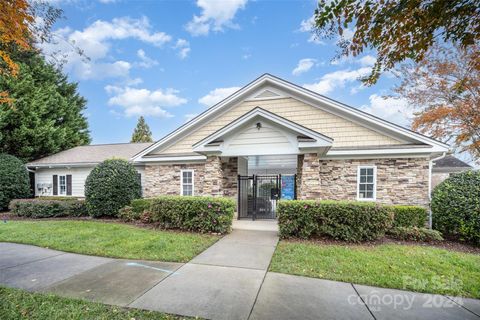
(229, 280)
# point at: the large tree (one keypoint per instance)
(142, 132)
(23, 24)
(397, 29)
(46, 112)
(444, 89)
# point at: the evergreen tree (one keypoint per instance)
(142, 132)
(45, 115)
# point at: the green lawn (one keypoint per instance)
(416, 268)
(18, 304)
(107, 239)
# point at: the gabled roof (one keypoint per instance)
(275, 84)
(306, 136)
(90, 154)
(450, 163)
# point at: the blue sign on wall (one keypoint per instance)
(288, 187)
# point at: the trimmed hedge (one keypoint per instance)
(348, 221)
(199, 214)
(110, 186)
(409, 216)
(456, 207)
(14, 180)
(415, 234)
(38, 208)
(135, 210)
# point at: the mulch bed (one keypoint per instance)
(446, 244)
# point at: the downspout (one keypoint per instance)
(430, 166)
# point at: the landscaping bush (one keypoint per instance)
(409, 216)
(349, 221)
(135, 211)
(456, 207)
(200, 214)
(38, 208)
(110, 186)
(415, 234)
(127, 214)
(14, 180)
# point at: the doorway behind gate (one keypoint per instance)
(258, 194)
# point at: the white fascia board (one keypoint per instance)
(201, 117)
(297, 91)
(61, 165)
(424, 152)
(289, 87)
(172, 159)
(321, 141)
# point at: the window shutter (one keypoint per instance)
(69, 184)
(55, 184)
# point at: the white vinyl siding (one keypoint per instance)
(44, 176)
(187, 183)
(367, 183)
(344, 132)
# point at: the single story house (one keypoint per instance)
(269, 140)
(64, 173)
(444, 167)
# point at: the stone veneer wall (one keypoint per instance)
(309, 177)
(165, 179)
(212, 178)
(399, 181)
(230, 177)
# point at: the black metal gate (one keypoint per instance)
(258, 196)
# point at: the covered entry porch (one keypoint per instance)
(268, 180)
(274, 159)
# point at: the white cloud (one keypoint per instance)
(215, 16)
(391, 109)
(348, 34)
(307, 26)
(96, 41)
(303, 66)
(145, 61)
(367, 61)
(144, 102)
(337, 79)
(85, 70)
(190, 116)
(183, 47)
(217, 95)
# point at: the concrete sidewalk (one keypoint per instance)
(229, 280)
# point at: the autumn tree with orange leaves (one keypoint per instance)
(444, 89)
(23, 24)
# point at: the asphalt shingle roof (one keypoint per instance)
(92, 154)
(450, 162)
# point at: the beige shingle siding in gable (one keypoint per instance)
(344, 132)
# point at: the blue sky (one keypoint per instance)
(170, 60)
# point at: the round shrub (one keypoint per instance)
(14, 180)
(456, 206)
(110, 186)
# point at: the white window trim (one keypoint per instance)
(374, 183)
(193, 181)
(59, 188)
